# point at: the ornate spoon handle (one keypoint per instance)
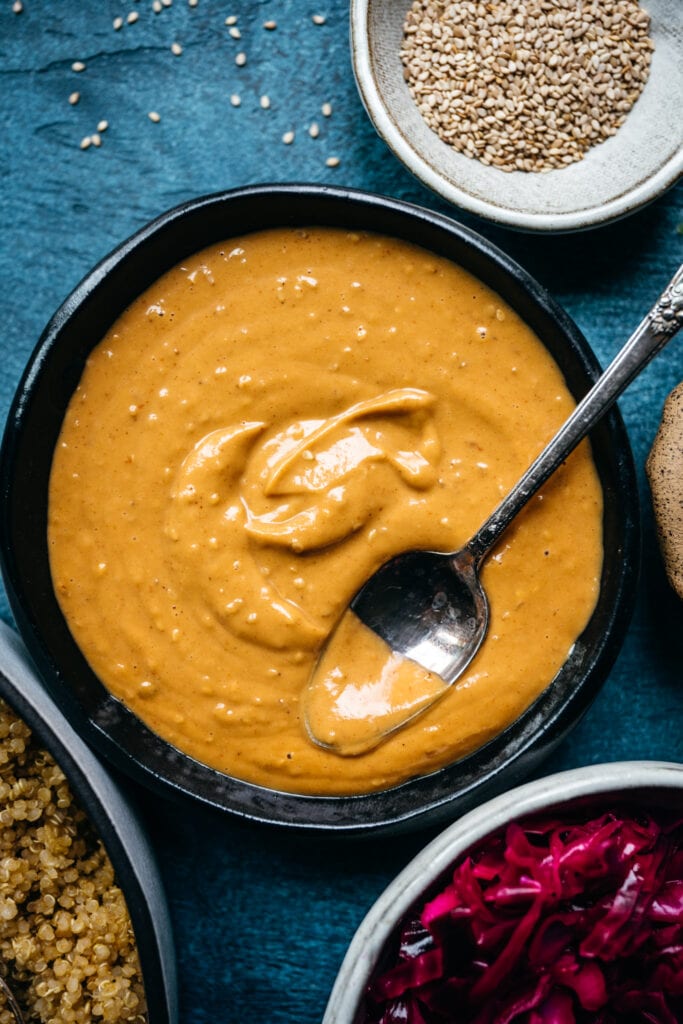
(657, 328)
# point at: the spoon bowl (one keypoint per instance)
(429, 608)
(422, 618)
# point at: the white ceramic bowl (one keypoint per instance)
(649, 783)
(636, 165)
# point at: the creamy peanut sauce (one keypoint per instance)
(254, 436)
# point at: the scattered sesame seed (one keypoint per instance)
(288, 138)
(318, 19)
(96, 139)
(332, 161)
(74, 98)
(78, 65)
(192, 3)
(17, 6)
(166, 3)
(270, 25)
(156, 6)
(176, 48)
(241, 60)
(231, 19)
(265, 102)
(102, 126)
(235, 100)
(314, 130)
(153, 116)
(326, 109)
(235, 32)
(86, 143)
(117, 23)
(132, 17)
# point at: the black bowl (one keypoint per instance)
(113, 817)
(31, 433)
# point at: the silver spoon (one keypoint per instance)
(429, 606)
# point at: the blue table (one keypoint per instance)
(262, 919)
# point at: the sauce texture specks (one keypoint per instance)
(261, 430)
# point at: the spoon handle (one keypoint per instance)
(659, 326)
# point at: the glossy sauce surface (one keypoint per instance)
(361, 690)
(254, 436)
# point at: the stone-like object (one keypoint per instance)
(665, 472)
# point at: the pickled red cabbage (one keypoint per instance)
(547, 922)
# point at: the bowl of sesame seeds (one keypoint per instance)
(541, 116)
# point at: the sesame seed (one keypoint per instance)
(102, 126)
(192, 3)
(314, 130)
(96, 139)
(74, 97)
(117, 23)
(17, 6)
(265, 102)
(288, 138)
(156, 6)
(78, 65)
(332, 161)
(176, 48)
(166, 3)
(318, 19)
(153, 116)
(86, 143)
(326, 109)
(231, 19)
(235, 32)
(270, 25)
(132, 17)
(526, 86)
(241, 60)
(235, 100)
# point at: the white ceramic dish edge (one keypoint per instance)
(406, 888)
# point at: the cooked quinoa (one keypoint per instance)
(67, 948)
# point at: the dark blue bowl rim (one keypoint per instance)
(51, 376)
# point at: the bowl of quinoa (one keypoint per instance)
(84, 929)
(542, 116)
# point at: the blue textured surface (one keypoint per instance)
(262, 919)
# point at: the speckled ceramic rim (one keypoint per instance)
(112, 815)
(555, 223)
(598, 785)
(31, 433)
